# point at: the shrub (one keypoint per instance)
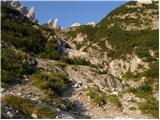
(55, 82)
(113, 99)
(98, 97)
(13, 66)
(51, 51)
(28, 107)
(76, 61)
(142, 91)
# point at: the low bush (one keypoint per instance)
(113, 99)
(142, 91)
(54, 83)
(51, 51)
(97, 96)
(28, 107)
(76, 61)
(101, 98)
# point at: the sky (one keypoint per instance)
(69, 12)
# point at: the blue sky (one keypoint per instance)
(69, 12)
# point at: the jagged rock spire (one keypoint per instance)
(55, 23)
(50, 22)
(31, 14)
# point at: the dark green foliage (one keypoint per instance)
(21, 34)
(124, 42)
(28, 107)
(150, 106)
(13, 66)
(76, 61)
(142, 91)
(153, 71)
(71, 106)
(51, 51)
(54, 83)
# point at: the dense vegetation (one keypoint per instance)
(51, 51)
(13, 66)
(28, 107)
(124, 42)
(20, 34)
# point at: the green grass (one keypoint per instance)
(28, 107)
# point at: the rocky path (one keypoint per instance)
(108, 111)
(85, 107)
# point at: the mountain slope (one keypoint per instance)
(106, 71)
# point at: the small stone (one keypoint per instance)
(58, 110)
(57, 117)
(34, 99)
(34, 116)
(9, 114)
(18, 94)
(2, 90)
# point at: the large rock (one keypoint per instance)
(84, 74)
